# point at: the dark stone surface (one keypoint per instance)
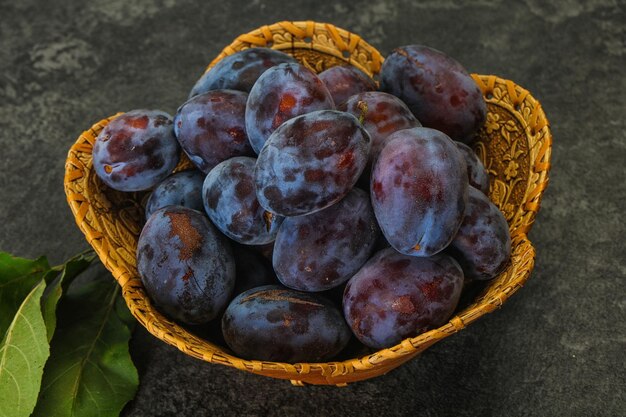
(555, 348)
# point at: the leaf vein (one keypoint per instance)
(30, 327)
(7, 340)
(69, 368)
(93, 399)
(91, 347)
(17, 385)
(106, 379)
(8, 345)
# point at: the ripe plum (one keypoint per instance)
(179, 189)
(240, 70)
(185, 264)
(311, 162)
(281, 93)
(136, 150)
(273, 323)
(324, 249)
(231, 203)
(395, 296)
(437, 89)
(211, 128)
(419, 190)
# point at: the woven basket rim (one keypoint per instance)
(345, 43)
(364, 366)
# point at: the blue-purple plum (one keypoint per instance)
(419, 190)
(273, 323)
(211, 128)
(482, 245)
(395, 296)
(476, 172)
(185, 264)
(345, 81)
(179, 189)
(383, 114)
(230, 200)
(311, 162)
(437, 89)
(324, 249)
(240, 70)
(136, 150)
(281, 93)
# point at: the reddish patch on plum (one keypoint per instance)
(403, 305)
(346, 160)
(455, 101)
(243, 189)
(138, 122)
(377, 188)
(238, 134)
(287, 102)
(323, 153)
(202, 123)
(314, 175)
(187, 275)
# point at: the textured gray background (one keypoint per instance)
(555, 349)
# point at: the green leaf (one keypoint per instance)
(23, 353)
(90, 372)
(71, 270)
(18, 276)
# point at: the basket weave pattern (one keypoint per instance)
(514, 144)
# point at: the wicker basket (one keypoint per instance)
(515, 145)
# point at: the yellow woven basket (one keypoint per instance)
(515, 146)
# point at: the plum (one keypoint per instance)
(311, 162)
(419, 191)
(476, 172)
(345, 81)
(185, 264)
(179, 189)
(230, 200)
(324, 249)
(136, 150)
(437, 89)
(383, 114)
(211, 128)
(272, 323)
(281, 93)
(482, 245)
(394, 296)
(240, 70)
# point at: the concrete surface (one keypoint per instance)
(555, 349)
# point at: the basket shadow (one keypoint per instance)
(447, 379)
(450, 378)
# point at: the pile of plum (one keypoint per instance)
(368, 202)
